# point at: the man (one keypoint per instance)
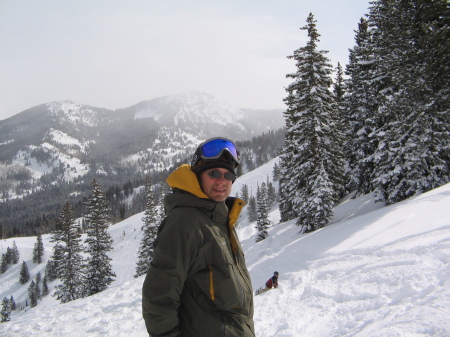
(272, 282)
(198, 284)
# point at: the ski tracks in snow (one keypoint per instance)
(364, 292)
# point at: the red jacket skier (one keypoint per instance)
(271, 283)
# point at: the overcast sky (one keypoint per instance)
(114, 54)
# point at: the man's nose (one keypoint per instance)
(222, 177)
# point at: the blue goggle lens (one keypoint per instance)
(214, 148)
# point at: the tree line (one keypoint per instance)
(82, 269)
(37, 212)
(384, 129)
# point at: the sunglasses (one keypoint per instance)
(214, 148)
(217, 174)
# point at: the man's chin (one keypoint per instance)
(218, 197)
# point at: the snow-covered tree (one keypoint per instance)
(38, 287)
(99, 274)
(9, 255)
(50, 270)
(276, 172)
(251, 209)
(45, 289)
(38, 250)
(412, 156)
(58, 253)
(15, 254)
(271, 194)
(12, 303)
(4, 264)
(339, 85)
(32, 294)
(311, 161)
(67, 256)
(262, 221)
(151, 221)
(361, 118)
(24, 273)
(245, 193)
(6, 311)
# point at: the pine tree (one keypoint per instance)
(68, 258)
(6, 311)
(50, 270)
(38, 250)
(45, 289)
(32, 295)
(99, 274)
(361, 118)
(249, 162)
(24, 273)
(414, 141)
(251, 212)
(58, 253)
(271, 194)
(38, 287)
(244, 193)
(151, 222)
(9, 255)
(12, 303)
(262, 222)
(339, 90)
(312, 160)
(15, 254)
(276, 172)
(285, 189)
(4, 264)
(339, 86)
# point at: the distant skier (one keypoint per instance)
(272, 282)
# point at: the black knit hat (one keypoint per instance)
(222, 162)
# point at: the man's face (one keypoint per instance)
(217, 189)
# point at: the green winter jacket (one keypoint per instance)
(197, 284)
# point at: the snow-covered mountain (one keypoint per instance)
(190, 108)
(44, 134)
(375, 271)
(67, 142)
(207, 114)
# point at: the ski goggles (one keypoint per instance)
(217, 174)
(214, 148)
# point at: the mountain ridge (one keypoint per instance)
(64, 144)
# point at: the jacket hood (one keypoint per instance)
(184, 179)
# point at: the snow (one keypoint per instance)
(192, 106)
(60, 137)
(375, 271)
(73, 112)
(39, 169)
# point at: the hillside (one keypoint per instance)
(376, 271)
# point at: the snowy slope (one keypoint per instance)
(377, 271)
(190, 107)
(75, 113)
